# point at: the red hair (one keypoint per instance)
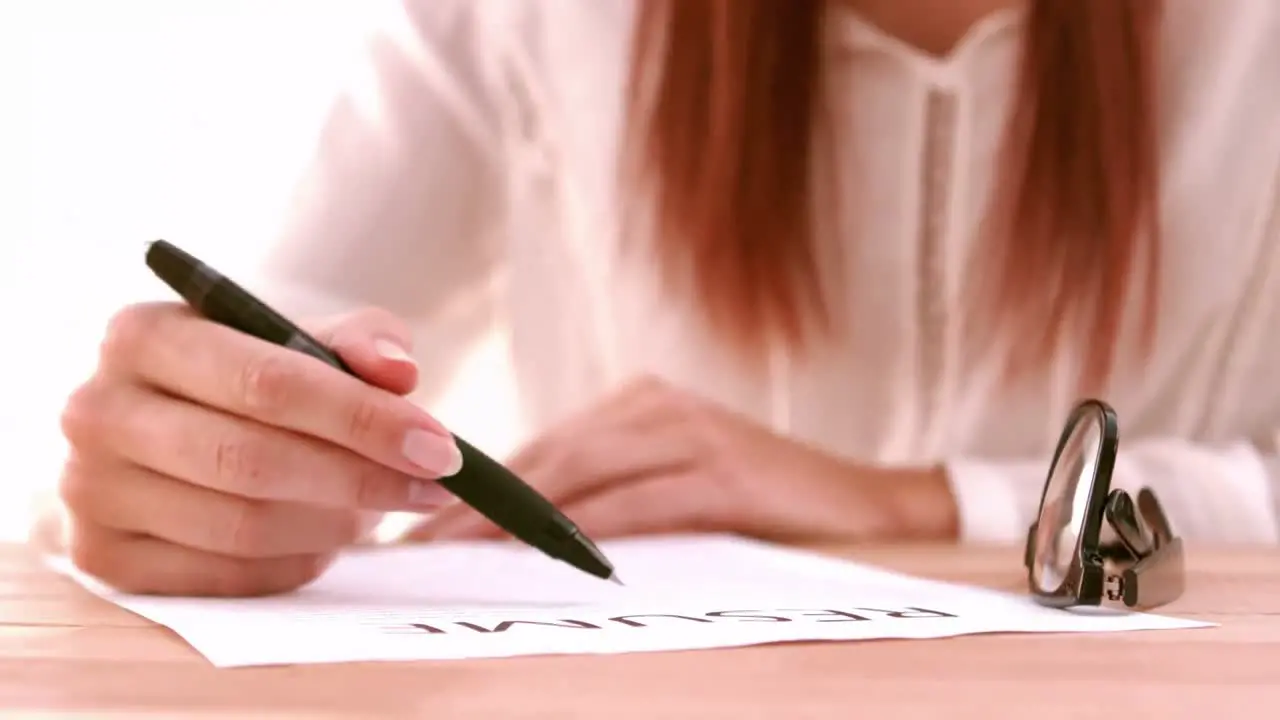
(726, 101)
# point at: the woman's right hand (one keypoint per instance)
(206, 462)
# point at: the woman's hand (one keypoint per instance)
(654, 459)
(206, 462)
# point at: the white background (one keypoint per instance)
(123, 121)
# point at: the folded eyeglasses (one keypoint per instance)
(1068, 562)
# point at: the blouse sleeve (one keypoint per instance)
(403, 205)
(1221, 493)
(1224, 494)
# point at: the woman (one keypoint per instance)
(820, 270)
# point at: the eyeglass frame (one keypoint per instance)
(1144, 568)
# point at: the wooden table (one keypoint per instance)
(64, 653)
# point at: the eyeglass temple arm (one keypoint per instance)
(1134, 534)
(1155, 580)
(1158, 576)
(1153, 513)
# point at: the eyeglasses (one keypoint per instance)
(1068, 564)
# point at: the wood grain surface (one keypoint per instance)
(65, 654)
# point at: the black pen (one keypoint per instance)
(483, 483)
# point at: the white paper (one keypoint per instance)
(482, 600)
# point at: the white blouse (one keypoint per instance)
(467, 182)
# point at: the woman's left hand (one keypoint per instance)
(655, 459)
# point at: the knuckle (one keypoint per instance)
(651, 381)
(128, 332)
(75, 487)
(687, 406)
(241, 463)
(658, 398)
(247, 530)
(698, 423)
(646, 384)
(96, 557)
(704, 509)
(81, 418)
(364, 525)
(365, 489)
(268, 383)
(348, 528)
(253, 577)
(704, 513)
(239, 577)
(373, 487)
(363, 419)
(382, 319)
(726, 497)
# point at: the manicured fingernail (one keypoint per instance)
(437, 454)
(393, 351)
(428, 494)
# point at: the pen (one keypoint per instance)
(483, 483)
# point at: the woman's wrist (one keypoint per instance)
(928, 506)
(918, 503)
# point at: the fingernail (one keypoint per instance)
(393, 351)
(428, 494)
(437, 454)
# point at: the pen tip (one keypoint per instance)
(614, 579)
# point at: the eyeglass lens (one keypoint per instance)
(1065, 504)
